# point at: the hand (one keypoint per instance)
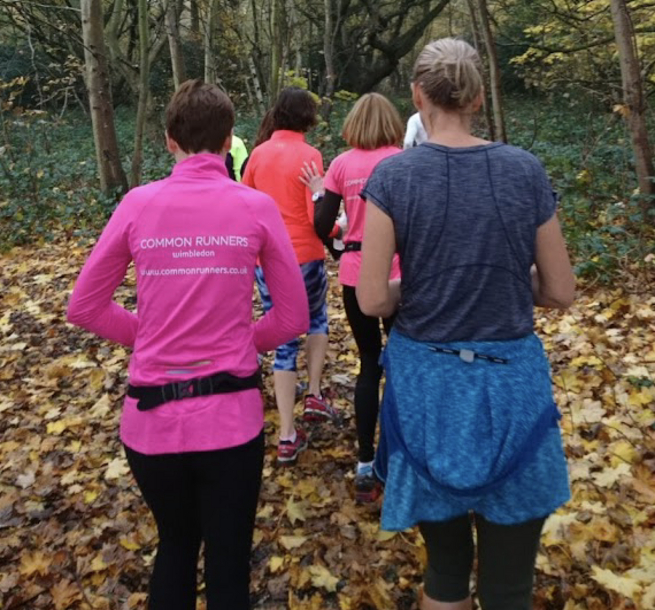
(311, 178)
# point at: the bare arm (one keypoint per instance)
(376, 294)
(553, 282)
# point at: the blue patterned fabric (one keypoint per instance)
(457, 436)
(316, 285)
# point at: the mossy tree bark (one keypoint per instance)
(110, 170)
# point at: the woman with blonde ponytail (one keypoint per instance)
(469, 428)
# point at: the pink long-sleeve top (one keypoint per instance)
(194, 238)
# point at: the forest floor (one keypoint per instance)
(75, 533)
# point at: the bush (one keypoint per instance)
(49, 186)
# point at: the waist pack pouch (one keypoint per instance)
(465, 426)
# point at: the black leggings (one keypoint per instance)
(208, 496)
(506, 559)
(368, 338)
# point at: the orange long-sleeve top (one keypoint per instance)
(274, 168)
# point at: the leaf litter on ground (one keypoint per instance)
(75, 533)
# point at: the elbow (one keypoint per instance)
(561, 297)
(78, 313)
(74, 313)
(300, 326)
(296, 325)
(563, 301)
(372, 306)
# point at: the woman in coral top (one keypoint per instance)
(193, 417)
(274, 167)
(374, 130)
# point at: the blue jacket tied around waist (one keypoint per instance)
(476, 431)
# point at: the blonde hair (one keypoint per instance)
(448, 71)
(373, 122)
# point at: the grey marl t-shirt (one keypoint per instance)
(465, 221)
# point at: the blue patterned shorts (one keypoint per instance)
(316, 285)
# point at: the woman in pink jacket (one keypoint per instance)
(193, 416)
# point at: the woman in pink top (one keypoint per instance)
(193, 417)
(374, 129)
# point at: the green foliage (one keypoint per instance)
(587, 154)
(48, 181)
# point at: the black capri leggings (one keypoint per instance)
(368, 337)
(208, 496)
(506, 559)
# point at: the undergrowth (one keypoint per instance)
(49, 187)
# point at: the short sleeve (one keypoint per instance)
(546, 197)
(376, 190)
(334, 177)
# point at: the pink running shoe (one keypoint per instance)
(287, 451)
(318, 408)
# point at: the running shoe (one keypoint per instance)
(367, 487)
(318, 408)
(287, 451)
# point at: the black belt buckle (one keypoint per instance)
(183, 389)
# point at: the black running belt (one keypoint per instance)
(352, 246)
(468, 355)
(220, 383)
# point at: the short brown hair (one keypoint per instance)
(373, 122)
(449, 72)
(199, 117)
(295, 110)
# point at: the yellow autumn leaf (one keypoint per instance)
(615, 582)
(569, 381)
(295, 511)
(648, 599)
(90, 496)
(117, 469)
(98, 564)
(101, 408)
(645, 396)
(129, 543)
(32, 563)
(622, 109)
(609, 476)
(623, 451)
(56, 427)
(275, 563)
(379, 594)
(322, 578)
(581, 361)
(292, 542)
(266, 512)
(64, 594)
(384, 536)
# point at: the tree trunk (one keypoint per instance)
(256, 84)
(635, 101)
(195, 19)
(486, 107)
(494, 71)
(328, 53)
(274, 75)
(175, 43)
(144, 92)
(110, 170)
(211, 74)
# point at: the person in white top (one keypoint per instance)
(415, 133)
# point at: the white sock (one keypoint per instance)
(291, 438)
(364, 467)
